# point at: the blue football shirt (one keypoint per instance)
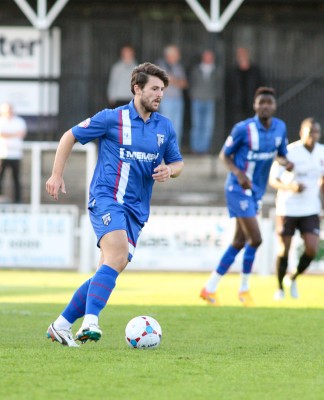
(128, 151)
(254, 148)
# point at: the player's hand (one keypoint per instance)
(162, 173)
(53, 185)
(243, 180)
(297, 187)
(289, 166)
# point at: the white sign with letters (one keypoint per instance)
(26, 52)
(37, 240)
(31, 98)
(192, 242)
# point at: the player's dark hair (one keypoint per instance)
(141, 73)
(264, 90)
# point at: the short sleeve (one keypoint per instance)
(234, 140)
(91, 128)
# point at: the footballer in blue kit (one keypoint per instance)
(248, 153)
(253, 148)
(128, 152)
(137, 146)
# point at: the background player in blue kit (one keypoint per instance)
(248, 154)
(137, 146)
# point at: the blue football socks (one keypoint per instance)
(76, 308)
(227, 260)
(248, 258)
(100, 288)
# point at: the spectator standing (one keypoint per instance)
(244, 79)
(172, 106)
(13, 129)
(118, 90)
(298, 203)
(203, 93)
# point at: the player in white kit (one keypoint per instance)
(298, 202)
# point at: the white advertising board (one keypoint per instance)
(27, 52)
(31, 98)
(37, 240)
(194, 242)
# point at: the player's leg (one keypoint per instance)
(284, 242)
(114, 247)
(309, 228)
(311, 242)
(241, 206)
(208, 293)
(285, 228)
(74, 310)
(251, 230)
(117, 247)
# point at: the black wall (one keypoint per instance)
(286, 39)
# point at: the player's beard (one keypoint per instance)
(149, 105)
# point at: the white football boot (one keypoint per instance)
(62, 336)
(279, 295)
(292, 285)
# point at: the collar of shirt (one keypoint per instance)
(134, 114)
(261, 127)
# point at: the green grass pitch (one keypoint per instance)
(271, 351)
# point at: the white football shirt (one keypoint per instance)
(12, 147)
(308, 170)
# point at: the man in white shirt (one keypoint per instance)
(298, 202)
(12, 132)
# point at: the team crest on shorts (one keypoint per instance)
(85, 123)
(244, 204)
(106, 219)
(160, 139)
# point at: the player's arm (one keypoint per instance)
(277, 183)
(163, 172)
(56, 182)
(243, 180)
(284, 162)
(293, 186)
(282, 153)
(322, 186)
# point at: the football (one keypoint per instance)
(143, 332)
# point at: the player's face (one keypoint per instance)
(151, 95)
(310, 134)
(265, 106)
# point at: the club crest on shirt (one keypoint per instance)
(106, 219)
(160, 139)
(85, 123)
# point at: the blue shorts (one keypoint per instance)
(241, 203)
(107, 216)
